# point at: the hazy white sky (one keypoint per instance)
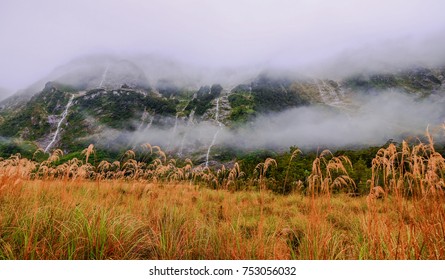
(39, 35)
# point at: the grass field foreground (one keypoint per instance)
(136, 210)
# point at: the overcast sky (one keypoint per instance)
(39, 35)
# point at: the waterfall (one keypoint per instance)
(64, 114)
(152, 117)
(190, 121)
(217, 112)
(143, 118)
(175, 126)
(216, 133)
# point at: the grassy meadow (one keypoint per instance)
(158, 209)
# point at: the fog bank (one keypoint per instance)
(378, 118)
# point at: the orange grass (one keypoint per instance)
(138, 220)
(137, 210)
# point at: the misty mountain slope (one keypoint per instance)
(113, 107)
(34, 120)
(275, 94)
(202, 99)
(90, 111)
(84, 74)
(121, 109)
(118, 107)
(13, 102)
(269, 94)
(417, 80)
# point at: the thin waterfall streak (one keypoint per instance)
(216, 133)
(64, 114)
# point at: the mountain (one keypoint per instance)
(112, 103)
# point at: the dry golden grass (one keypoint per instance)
(138, 220)
(131, 209)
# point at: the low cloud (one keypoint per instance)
(388, 115)
(376, 119)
